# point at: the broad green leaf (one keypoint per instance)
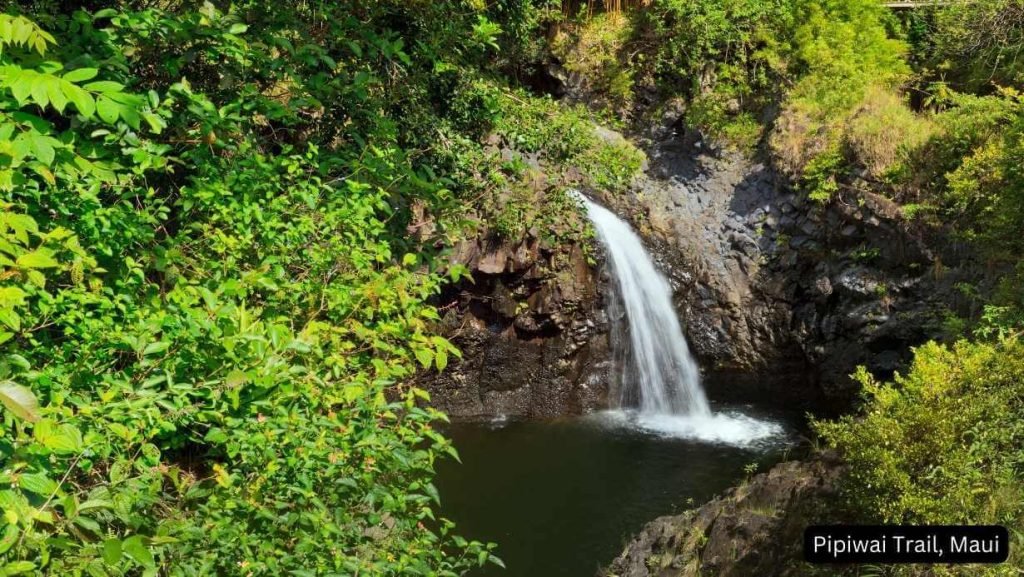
(80, 98)
(107, 109)
(64, 438)
(156, 348)
(156, 124)
(80, 75)
(17, 568)
(424, 356)
(112, 551)
(10, 536)
(89, 524)
(39, 93)
(38, 483)
(104, 86)
(21, 85)
(19, 400)
(11, 319)
(35, 277)
(38, 259)
(95, 504)
(43, 149)
(56, 95)
(137, 551)
(235, 378)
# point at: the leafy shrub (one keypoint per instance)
(209, 299)
(568, 137)
(724, 57)
(977, 45)
(595, 50)
(942, 444)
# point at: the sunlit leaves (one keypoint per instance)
(19, 400)
(225, 389)
(45, 89)
(22, 32)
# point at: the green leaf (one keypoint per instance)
(17, 568)
(39, 94)
(156, 348)
(156, 124)
(80, 98)
(441, 359)
(65, 438)
(137, 551)
(80, 75)
(107, 109)
(238, 29)
(424, 356)
(37, 259)
(104, 86)
(235, 378)
(112, 551)
(89, 525)
(11, 319)
(19, 400)
(42, 149)
(55, 94)
(21, 85)
(35, 277)
(11, 533)
(38, 483)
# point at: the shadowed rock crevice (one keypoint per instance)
(532, 329)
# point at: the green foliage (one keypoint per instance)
(941, 445)
(977, 45)
(209, 303)
(725, 57)
(597, 50)
(568, 137)
(729, 60)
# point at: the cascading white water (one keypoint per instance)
(658, 364)
(661, 388)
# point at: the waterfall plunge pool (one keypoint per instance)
(562, 497)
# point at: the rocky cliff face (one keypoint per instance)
(781, 297)
(532, 330)
(754, 529)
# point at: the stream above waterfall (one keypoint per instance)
(561, 497)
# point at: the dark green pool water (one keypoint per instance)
(561, 498)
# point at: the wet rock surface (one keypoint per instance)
(753, 529)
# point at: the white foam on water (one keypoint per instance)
(725, 428)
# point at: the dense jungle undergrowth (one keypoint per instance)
(222, 226)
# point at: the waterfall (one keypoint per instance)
(660, 387)
(659, 375)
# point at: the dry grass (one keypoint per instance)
(876, 133)
(799, 135)
(882, 129)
